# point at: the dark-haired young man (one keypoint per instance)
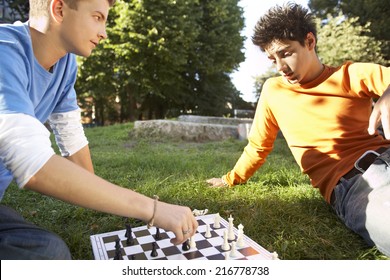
(326, 116)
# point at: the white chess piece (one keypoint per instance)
(217, 220)
(231, 226)
(226, 255)
(208, 233)
(225, 246)
(275, 256)
(233, 251)
(240, 236)
(197, 212)
(192, 242)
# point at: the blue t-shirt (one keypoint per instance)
(26, 87)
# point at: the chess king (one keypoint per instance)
(37, 76)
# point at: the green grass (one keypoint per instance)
(278, 207)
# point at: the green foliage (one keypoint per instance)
(163, 58)
(278, 207)
(341, 39)
(19, 10)
(261, 79)
(375, 13)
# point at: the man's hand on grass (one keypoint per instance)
(216, 183)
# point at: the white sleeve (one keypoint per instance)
(68, 132)
(25, 146)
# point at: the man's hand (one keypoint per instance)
(216, 183)
(381, 113)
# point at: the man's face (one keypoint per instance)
(292, 60)
(82, 29)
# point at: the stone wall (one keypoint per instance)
(193, 128)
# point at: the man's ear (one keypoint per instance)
(311, 41)
(57, 9)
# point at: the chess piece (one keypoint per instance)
(231, 232)
(192, 242)
(226, 255)
(233, 251)
(225, 246)
(128, 231)
(130, 240)
(275, 256)
(157, 236)
(154, 250)
(208, 233)
(118, 253)
(240, 236)
(185, 246)
(217, 221)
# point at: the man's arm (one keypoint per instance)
(83, 159)
(25, 150)
(64, 180)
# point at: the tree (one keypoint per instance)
(16, 10)
(163, 58)
(341, 39)
(216, 54)
(375, 13)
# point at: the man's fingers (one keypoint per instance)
(215, 182)
(386, 124)
(373, 121)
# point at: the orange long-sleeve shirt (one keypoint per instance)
(324, 123)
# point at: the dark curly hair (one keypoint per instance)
(288, 22)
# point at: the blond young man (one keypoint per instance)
(326, 116)
(37, 76)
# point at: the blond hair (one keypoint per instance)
(41, 7)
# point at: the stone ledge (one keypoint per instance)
(188, 131)
(213, 120)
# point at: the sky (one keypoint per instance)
(256, 62)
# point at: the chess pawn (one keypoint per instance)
(208, 233)
(225, 246)
(157, 236)
(192, 242)
(233, 251)
(240, 236)
(217, 220)
(154, 250)
(185, 246)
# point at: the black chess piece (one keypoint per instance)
(157, 236)
(128, 230)
(118, 252)
(186, 245)
(130, 240)
(154, 250)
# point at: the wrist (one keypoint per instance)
(151, 221)
(225, 184)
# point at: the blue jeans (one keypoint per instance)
(25, 241)
(363, 203)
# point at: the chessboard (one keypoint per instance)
(208, 243)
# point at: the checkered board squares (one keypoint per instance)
(103, 245)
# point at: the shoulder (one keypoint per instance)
(16, 33)
(15, 39)
(273, 82)
(363, 69)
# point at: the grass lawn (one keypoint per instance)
(278, 207)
